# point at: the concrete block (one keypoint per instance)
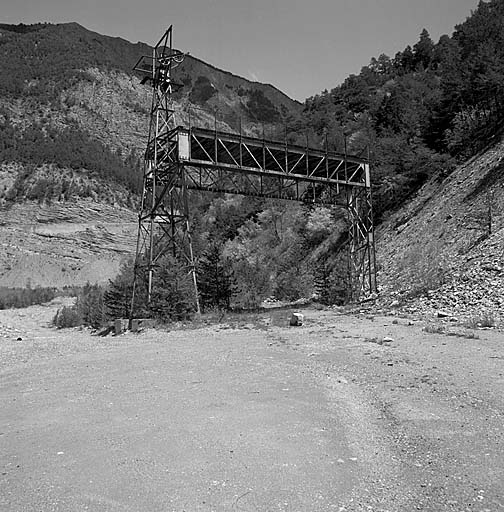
(296, 319)
(120, 325)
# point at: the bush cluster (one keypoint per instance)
(24, 297)
(172, 299)
(66, 317)
(201, 91)
(88, 309)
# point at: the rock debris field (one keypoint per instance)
(348, 412)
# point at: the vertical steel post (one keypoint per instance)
(348, 199)
(286, 153)
(241, 144)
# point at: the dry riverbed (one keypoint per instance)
(346, 413)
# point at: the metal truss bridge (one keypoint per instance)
(178, 159)
(226, 162)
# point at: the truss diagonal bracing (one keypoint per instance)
(179, 159)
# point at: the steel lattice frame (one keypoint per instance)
(163, 225)
(178, 159)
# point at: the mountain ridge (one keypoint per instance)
(145, 46)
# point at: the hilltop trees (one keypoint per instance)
(420, 112)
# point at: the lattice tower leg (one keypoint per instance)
(361, 244)
(164, 228)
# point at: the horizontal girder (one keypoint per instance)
(214, 179)
(198, 148)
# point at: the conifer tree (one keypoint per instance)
(173, 292)
(118, 295)
(215, 279)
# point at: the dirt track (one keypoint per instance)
(250, 417)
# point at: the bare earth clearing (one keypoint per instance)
(250, 417)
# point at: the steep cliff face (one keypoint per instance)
(64, 243)
(445, 248)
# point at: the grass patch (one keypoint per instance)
(441, 329)
(482, 321)
(435, 329)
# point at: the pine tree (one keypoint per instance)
(173, 296)
(90, 305)
(215, 280)
(117, 298)
(423, 50)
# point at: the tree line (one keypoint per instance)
(420, 112)
(69, 148)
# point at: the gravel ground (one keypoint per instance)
(346, 413)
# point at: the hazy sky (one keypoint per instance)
(300, 46)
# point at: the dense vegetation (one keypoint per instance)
(201, 91)
(28, 296)
(70, 148)
(95, 306)
(261, 108)
(42, 60)
(24, 297)
(421, 111)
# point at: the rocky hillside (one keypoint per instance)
(57, 65)
(445, 249)
(63, 243)
(73, 126)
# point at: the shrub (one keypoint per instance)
(254, 283)
(478, 322)
(24, 297)
(293, 283)
(88, 309)
(434, 329)
(67, 316)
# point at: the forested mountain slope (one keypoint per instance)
(69, 97)
(423, 111)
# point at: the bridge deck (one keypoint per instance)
(198, 147)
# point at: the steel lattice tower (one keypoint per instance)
(163, 220)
